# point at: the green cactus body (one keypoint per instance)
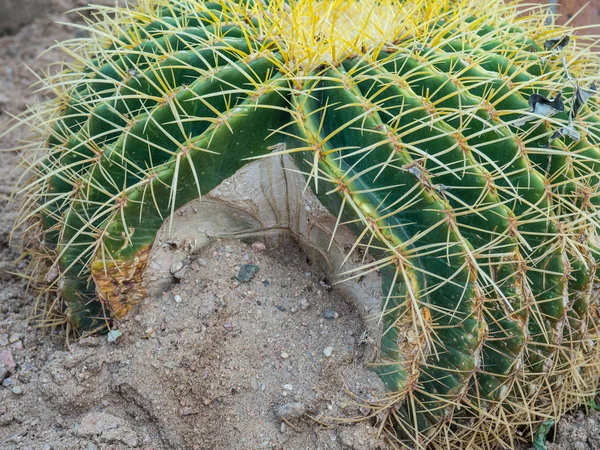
(412, 123)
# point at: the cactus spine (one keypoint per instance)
(458, 140)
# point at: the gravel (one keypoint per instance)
(247, 272)
(7, 360)
(330, 314)
(113, 335)
(290, 411)
(17, 390)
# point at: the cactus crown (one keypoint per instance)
(458, 139)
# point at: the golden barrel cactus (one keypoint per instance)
(459, 140)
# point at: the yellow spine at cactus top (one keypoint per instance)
(459, 140)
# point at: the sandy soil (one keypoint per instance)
(210, 363)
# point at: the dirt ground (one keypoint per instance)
(211, 363)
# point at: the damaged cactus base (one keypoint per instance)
(275, 210)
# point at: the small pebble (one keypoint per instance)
(179, 274)
(258, 247)
(246, 272)
(6, 420)
(330, 314)
(324, 282)
(176, 267)
(7, 360)
(246, 257)
(113, 335)
(14, 337)
(303, 304)
(280, 308)
(285, 355)
(266, 283)
(17, 390)
(288, 387)
(91, 446)
(290, 411)
(3, 373)
(52, 274)
(177, 298)
(228, 249)
(89, 341)
(328, 351)
(7, 382)
(202, 262)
